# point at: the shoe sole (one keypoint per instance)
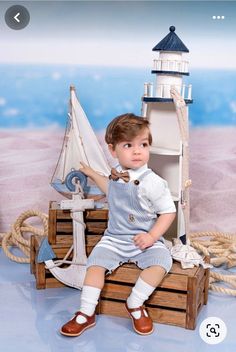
(137, 331)
(74, 335)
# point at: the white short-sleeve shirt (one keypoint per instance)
(153, 191)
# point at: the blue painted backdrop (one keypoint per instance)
(34, 96)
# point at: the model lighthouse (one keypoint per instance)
(169, 152)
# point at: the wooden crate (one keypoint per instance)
(177, 300)
(60, 222)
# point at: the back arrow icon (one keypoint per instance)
(16, 17)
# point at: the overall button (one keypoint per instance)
(131, 218)
(17, 17)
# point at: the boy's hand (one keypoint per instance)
(143, 240)
(101, 181)
(87, 170)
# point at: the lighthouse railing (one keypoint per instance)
(163, 90)
(171, 65)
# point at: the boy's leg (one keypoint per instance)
(92, 286)
(148, 280)
(153, 275)
(85, 318)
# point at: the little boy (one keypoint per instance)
(140, 212)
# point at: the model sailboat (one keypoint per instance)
(80, 144)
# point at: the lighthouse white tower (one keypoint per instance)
(169, 151)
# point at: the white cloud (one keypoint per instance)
(2, 101)
(128, 105)
(97, 77)
(56, 76)
(97, 112)
(233, 106)
(11, 112)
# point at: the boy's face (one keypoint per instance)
(132, 154)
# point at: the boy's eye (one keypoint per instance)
(127, 145)
(144, 145)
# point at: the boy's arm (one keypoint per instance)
(101, 181)
(161, 225)
(145, 240)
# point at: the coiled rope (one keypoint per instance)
(221, 248)
(15, 236)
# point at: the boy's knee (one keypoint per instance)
(153, 274)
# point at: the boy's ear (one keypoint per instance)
(111, 150)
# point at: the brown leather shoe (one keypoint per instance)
(143, 325)
(72, 328)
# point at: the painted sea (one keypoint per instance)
(34, 96)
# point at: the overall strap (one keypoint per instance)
(147, 172)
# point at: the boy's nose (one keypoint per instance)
(137, 151)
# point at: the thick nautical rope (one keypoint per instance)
(15, 236)
(221, 248)
(182, 118)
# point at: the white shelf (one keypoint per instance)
(164, 151)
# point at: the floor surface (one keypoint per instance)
(30, 320)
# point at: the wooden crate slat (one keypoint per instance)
(168, 316)
(32, 255)
(52, 221)
(125, 274)
(158, 315)
(64, 240)
(63, 215)
(200, 289)
(65, 227)
(130, 274)
(176, 269)
(200, 304)
(52, 282)
(191, 303)
(206, 286)
(98, 215)
(96, 226)
(160, 298)
(92, 240)
(169, 299)
(67, 240)
(175, 282)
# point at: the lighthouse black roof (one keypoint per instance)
(171, 42)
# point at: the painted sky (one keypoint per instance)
(119, 33)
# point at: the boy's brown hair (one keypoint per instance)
(125, 128)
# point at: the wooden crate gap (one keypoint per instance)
(165, 307)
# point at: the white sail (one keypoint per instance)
(80, 144)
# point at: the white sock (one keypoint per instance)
(89, 300)
(140, 293)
